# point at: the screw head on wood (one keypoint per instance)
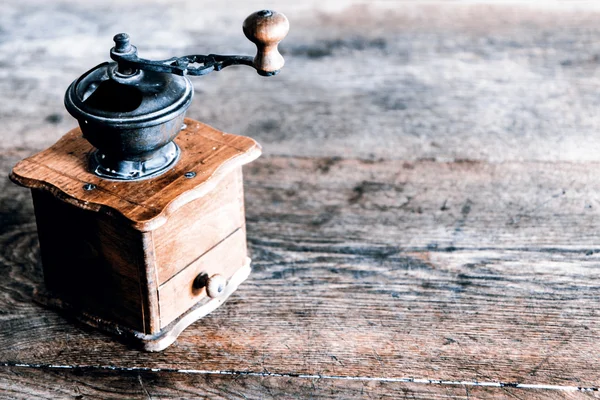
(215, 287)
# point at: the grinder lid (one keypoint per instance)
(145, 98)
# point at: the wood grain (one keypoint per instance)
(266, 29)
(27, 383)
(428, 208)
(391, 79)
(351, 281)
(147, 204)
(179, 293)
(199, 226)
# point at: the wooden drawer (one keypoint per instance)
(178, 294)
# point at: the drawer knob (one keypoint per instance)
(215, 287)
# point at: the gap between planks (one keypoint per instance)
(424, 381)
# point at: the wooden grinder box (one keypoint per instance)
(137, 258)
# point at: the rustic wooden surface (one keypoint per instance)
(423, 223)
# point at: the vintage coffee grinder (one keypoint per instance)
(140, 212)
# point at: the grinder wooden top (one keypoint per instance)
(63, 170)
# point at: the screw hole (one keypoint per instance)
(89, 186)
(190, 174)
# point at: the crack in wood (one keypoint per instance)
(426, 381)
(386, 250)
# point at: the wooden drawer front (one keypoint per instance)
(178, 294)
(199, 226)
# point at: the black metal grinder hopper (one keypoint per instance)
(131, 109)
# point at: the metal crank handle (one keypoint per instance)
(264, 28)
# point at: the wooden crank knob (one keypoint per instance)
(215, 286)
(266, 29)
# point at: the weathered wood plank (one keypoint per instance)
(426, 205)
(389, 79)
(29, 383)
(348, 282)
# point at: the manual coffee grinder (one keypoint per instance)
(140, 211)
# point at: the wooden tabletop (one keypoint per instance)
(424, 221)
